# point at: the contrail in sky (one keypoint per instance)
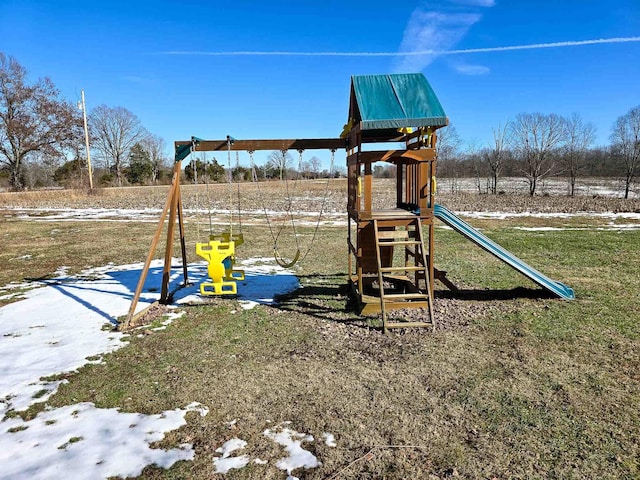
(534, 46)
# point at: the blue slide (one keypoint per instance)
(462, 227)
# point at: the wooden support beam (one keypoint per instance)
(276, 144)
(168, 252)
(368, 188)
(183, 244)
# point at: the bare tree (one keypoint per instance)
(34, 121)
(534, 137)
(115, 131)
(448, 146)
(625, 140)
(155, 147)
(449, 142)
(496, 155)
(579, 136)
(279, 160)
(316, 163)
(472, 157)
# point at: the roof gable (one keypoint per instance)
(394, 101)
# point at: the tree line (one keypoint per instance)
(41, 142)
(42, 137)
(278, 165)
(536, 145)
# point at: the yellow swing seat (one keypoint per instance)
(220, 255)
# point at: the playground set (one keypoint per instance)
(394, 119)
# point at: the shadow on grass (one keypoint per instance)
(480, 295)
(328, 297)
(325, 297)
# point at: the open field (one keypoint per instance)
(512, 384)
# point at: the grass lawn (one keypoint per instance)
(512, 384)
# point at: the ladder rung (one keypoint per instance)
(393, 234)
(402, 269)
(408, 296)
(408, 324)
(400, 242)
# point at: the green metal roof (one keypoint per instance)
(394, 101)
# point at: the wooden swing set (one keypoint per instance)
(390, 258)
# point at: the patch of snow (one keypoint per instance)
(329, 439)
(53, 331)
(505, 215)
(292, 442)
(82, 441)
(225, 463)
(61, 271)
(168, 318)
(23, 257)
(621, 226)
(16, 286)
(197, 407)
(12, 296)
(543, 229)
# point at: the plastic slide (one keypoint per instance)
(462, 227)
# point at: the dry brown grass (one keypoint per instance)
(307, 196)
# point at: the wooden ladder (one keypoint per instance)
(413, 243)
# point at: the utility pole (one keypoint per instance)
(86, 141)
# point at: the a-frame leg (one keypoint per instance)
(173, 205)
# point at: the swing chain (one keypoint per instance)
(297, 257)
(322, 206)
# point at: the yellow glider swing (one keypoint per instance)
(220, 250)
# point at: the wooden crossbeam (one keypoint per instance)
(254, 145)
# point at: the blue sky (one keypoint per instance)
(161, 60)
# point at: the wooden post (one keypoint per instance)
(368, 189)
(86, 141)
(182, 239)
(424, 192)
(399, 176)
(168, 252)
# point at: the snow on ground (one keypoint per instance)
(606, 187)
(82, 441)
(151, 215)
(297, 457)
(505, 215)
(57, 328)
(292, 442)
(613, 224)
(333, 219)
(225, 463)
